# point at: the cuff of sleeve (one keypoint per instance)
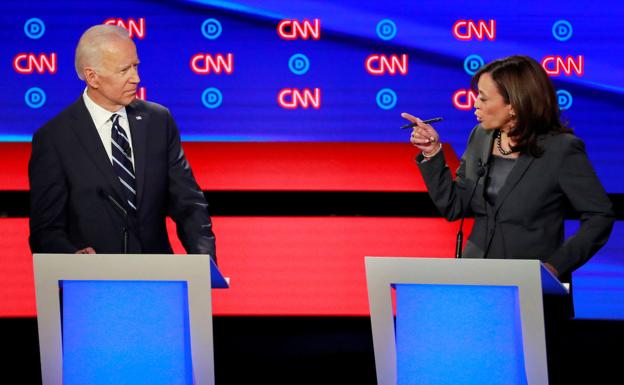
(420, 158)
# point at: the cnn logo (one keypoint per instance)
(27, 63)
(294, 29)
(556, 65)
(293, 98)
(469, 29)
(204, 64)
(135, 28)
(464, 99)
(381, 64)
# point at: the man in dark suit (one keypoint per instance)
(107, 171)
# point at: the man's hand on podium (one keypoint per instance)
(86, 250)
(552, 269)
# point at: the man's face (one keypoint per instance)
(114, 82)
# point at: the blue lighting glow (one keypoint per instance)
(126, 332)
(459, 334)
(598, 286)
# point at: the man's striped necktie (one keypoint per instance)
(122, 163)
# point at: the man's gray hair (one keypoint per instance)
(89, 52)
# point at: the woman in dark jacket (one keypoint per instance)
(520, 167)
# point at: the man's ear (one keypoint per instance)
(91, 77)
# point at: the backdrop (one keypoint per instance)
(326, 73)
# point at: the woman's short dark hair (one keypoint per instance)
(524, 84)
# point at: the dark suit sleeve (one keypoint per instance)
(447, 194)
(187, 205)
(581, 186)
(48, 198)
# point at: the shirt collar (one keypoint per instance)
(99, 114)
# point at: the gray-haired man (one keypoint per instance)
(107, 171)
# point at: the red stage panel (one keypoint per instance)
(14, 166)
(278, 265)
(275, 166)
(17, 291)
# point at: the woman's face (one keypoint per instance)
(490, 107)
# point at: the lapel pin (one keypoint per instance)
(138, 118)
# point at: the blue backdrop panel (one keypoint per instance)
(598, 286)
(126, 332)
(355, 105)
(458, 334)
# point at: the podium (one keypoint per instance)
(459, 321)
(125, 318)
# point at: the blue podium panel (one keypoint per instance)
(458, 334)
(126, 332)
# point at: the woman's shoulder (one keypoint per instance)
(561, 142)
(479, 133)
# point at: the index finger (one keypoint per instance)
(409, 117)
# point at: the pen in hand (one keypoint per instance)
(428, 121)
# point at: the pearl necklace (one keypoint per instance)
(500, 146)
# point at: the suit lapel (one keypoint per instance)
(522, 164)
(486, 149)
(137, 121)
(89, 138)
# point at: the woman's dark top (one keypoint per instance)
(500, 168)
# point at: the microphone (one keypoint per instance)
(460, 234)
(122, 211)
